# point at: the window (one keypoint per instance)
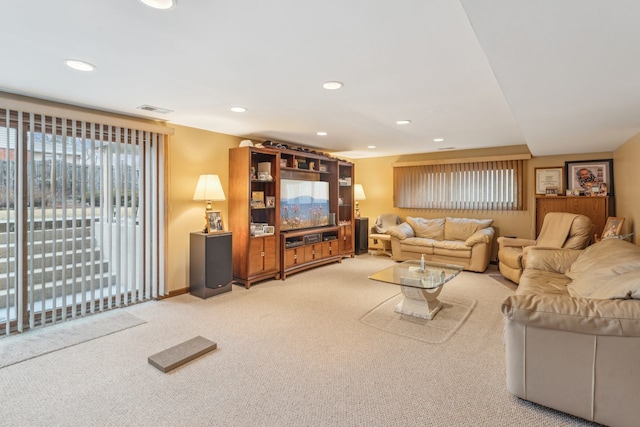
(80, 218)
(490, 185)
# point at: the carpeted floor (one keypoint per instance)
(36, 343)
(290, 353)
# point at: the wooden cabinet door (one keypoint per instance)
(262, 254)
(312, 252)
(256, 255)
(346, 239)
(293, 257)
(270, 253)
(330, 248)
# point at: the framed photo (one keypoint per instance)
(271, 201)
(549, 178)
(613, 227)
(268, 229)
(214, 221)
(590, 177)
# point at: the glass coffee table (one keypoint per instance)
(420, 287)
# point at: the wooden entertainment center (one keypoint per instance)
(272, 239)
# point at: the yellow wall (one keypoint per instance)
(191, 152)
(625, 169)
(376, 176)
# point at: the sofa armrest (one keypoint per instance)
(481, 236)
(579, 315)
(550, 259)
(504, 242)
(402, 231)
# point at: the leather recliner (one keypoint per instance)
(559, 230)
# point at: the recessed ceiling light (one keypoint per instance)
(238, 109)
(76, 64)
(403, 122)
(160, 4)
(321, 133)
(332, 85)
(371, 146)
(438, 140)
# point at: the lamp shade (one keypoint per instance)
(209, 188)
(358, 192)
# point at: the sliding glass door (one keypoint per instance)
(80, 224)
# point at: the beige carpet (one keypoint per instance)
(290, 353)
(454, 311)
(18, 348)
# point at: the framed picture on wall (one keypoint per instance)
(590, 177)
(549, 178)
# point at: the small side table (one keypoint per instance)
(362, 236)
(210, 270)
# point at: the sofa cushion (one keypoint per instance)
(402, 231)
(607, 258)
(598, 268)
(417, 245)
(623, 286)
(452, 248)
(533, 282)
(463, 228)
(427, 228)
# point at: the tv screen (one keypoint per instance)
(303, 204)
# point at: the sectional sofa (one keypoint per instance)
(572, 331)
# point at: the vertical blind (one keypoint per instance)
(81, 223)
(489, 185)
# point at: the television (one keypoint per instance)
(303, 204)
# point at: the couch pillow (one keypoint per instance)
(463, 228)
(623, 286)
(607, 258)
(427, 228)
(401, 231)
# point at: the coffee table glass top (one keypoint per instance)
(409, 273)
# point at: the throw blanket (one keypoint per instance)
(555, 229)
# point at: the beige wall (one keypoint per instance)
(625, 168)
(376, 176)
(191, 152)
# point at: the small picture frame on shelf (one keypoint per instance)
(268, 229)
(257, 199)
(613, 227)
(270, 201)
(214, 222)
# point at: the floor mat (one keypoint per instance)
(455, 310)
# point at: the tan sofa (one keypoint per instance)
(572, 331)
(461, 241)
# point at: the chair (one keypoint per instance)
(378, 232)
(559, 230)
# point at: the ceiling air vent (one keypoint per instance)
(153, 109)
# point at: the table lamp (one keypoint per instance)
(358, 194)
(209, 189)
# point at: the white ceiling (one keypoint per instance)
(562, 76)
